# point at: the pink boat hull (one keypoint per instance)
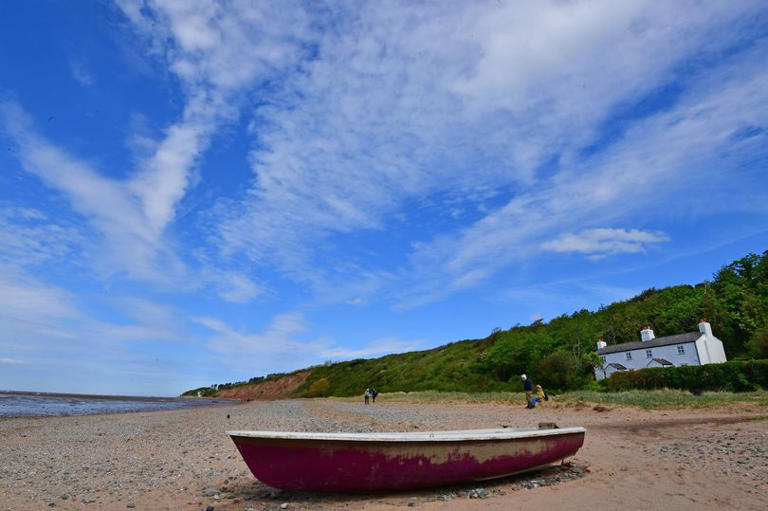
(330, 465)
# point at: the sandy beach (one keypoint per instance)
(676, 459)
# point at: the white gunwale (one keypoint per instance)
(418, 436)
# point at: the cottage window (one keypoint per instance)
(629, 355)
(681, 350)
(648, 353)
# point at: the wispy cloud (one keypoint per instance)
(29, 235)
(361, 123)
(80, 73)
(598, 243)
(376, 347)
(106, 202)
(128, 217)
(653, 170)
(65, 346)
(217, 51)
(276, 347)
(280, 344)
(382, 119)
(33, 314)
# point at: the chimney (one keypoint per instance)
(646, 334)
(705, 328)
(601, 344)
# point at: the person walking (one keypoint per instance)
(528, 390)
(374, 393)
(367, 396)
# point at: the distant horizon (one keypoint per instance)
(195, 193)
(77, 394)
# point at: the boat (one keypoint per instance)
(360, 462)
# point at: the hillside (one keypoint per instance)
(559, 353)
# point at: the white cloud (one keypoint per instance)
(129, 217)
(37, 316)
(601, 242)
(237, 288)
(367, 111)
(60, 345)
(384, 117)
(375, 348)
(278, 338)
(222, 47)
(217, 52)
(27, 234)
(105, 202)
(81, 73)
(278, 345)
(27, 299)
(683, 161)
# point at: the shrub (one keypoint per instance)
(758, 346)
(319, 388)
(595, 386)
(562, 371)
(736, 376)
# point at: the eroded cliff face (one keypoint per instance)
(268, 390)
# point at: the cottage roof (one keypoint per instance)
(663, 361)
(659, 341)
(617, 366)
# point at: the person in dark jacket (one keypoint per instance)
(528, 390)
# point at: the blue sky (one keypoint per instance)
(201, 192)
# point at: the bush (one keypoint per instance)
(319, 388)
(561, 371)
(758, 345)
(596, 386)
(735, 376)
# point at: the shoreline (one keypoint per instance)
(182, 459)
(109, 397)
(40, 405)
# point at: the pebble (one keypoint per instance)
(478, 493)
(196, 455)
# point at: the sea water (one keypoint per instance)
(35, 404)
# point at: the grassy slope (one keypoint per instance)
(449, 367)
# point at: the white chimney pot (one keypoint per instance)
(646, 334)
(705, 328)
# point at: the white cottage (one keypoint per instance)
(693, 348)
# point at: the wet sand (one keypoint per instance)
(182, 459)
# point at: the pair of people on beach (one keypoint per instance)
(530, 399)
(370, 394)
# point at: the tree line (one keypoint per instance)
(561, 353)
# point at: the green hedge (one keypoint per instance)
(735, 376)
